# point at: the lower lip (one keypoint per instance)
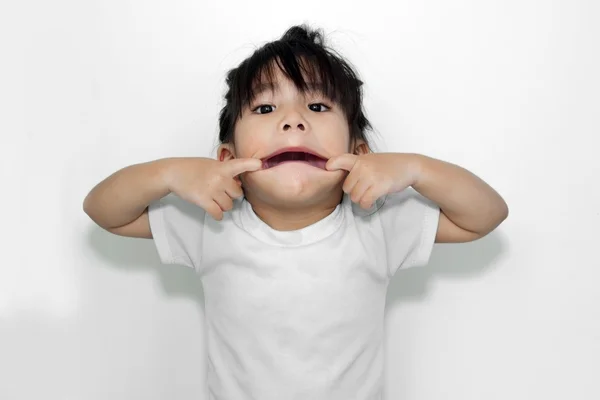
(298, 162)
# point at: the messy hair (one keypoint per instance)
(302, 57)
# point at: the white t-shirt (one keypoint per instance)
(296, 315)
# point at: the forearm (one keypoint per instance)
(123, 196)
(464, 198)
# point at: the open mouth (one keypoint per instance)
(295, 156)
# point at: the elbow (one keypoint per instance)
(499, 216)
(502, 212)
(496, 217)
(90, 209)
(497, 211)
(87, 205)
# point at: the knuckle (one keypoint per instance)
(236, 191)
(227, 205)
(198, 200)
(214, 211)
(202, 199)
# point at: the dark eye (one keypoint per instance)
(318, 107)
(263, 109)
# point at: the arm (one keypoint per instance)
(470, 208)
(120, 202)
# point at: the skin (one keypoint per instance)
(295, 195)
(292, 195)
(470, 208)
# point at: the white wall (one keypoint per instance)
(507, 89)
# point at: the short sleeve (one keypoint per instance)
(409, 221)
(177, 228)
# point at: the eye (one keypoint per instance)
(318, 107)
(263, 109)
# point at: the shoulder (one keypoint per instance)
(409, 210)
(173, 215)
(403, 213)
(177, 228)
(408, 202)
(406, 223)
(173, 204)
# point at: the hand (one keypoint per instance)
(209, 183)
(374, 175)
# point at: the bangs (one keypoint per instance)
(311, 70)
(307, 74)
(302, 57)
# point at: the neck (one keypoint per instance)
(293, 217)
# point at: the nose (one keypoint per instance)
(299, 126)
(294, 121)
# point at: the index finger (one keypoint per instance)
(343, 162)
(239, 165)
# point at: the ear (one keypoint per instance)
(226, 152)
(360, 147)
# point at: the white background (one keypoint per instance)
(508, 89)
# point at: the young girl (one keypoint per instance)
(297, 228)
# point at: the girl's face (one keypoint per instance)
(281, 117)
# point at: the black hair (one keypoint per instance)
(301, 55)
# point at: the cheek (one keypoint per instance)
(337, 137)
(244, 139)
(248, 143)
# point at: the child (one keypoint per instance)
(297, 228)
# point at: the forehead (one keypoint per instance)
(272, 78)
(276, 87)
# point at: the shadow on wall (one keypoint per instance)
(452, 260)
(140, 254)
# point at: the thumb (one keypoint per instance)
(240, 165)
(344, 162)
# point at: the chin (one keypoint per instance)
(294, 186)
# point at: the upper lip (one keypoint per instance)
(294, 150)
